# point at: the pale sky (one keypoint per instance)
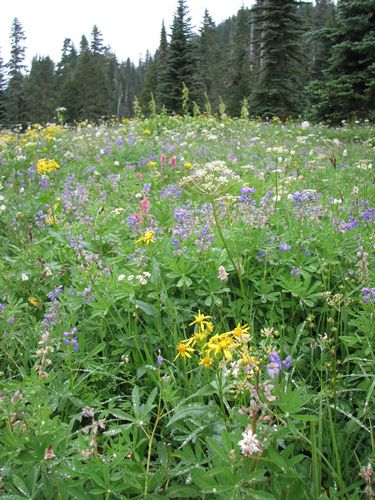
(128, 27)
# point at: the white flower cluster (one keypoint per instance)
(142, 279)
(210, 177)
(249, 444)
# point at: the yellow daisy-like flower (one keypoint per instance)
(200, 319)
(221, 344)
(184, 351)
(206, 361)
(240, 330)
(147, 238)
(46, 166)
(147, 132)
(152, 163)
(188, 165)
(197, 337)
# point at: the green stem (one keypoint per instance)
(236, 266)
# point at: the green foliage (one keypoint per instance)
(271, 240)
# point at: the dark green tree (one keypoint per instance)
(83, 44)
(97, 47)
(278, 90)
(2, 91)
(40, 91)
(15, 93)
(181, 61)
(210, 62)
(67, 91)
(240, 67)
(92, 87)
(349, 88)
(161, 92)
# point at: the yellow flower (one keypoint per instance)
(34, 302)
(240, 330)
(200, 319)
(147, 238)
(187, 164)
(184, 351)
(152, 164)
(147, 132)
(221, 344)
(197, 337)
(206, 361)
(46, 166)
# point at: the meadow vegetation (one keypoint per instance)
(187, 310)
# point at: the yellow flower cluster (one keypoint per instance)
(147, 238)
(46, 166)
(218, 346)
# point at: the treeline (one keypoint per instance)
(279, 58)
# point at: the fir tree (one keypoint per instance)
(2, 91)
(209, 60)
(349, 89)
(15, 91)
(181, 62)
(279, 88)
(239, 87)
(40, 91)
(97, 47)
(161, 92)
(66, 88)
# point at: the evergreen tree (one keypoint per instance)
(210, 67)
(278, 89)
(83, 45)
(181, 61)
(97, 47)
(40, 91)
(2, 91)
(161, 58)
(15, 97)
(67, 90)
(239, 68)
(349, 89)
(92, 89)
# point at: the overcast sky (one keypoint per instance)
(129, 27)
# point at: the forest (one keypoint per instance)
(279, 58)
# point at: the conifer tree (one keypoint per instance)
(182, 61)
(2, 91)
(240, 71)
(349, 89)
(66, 87)
(210, 67)
(15, 96)
(278, 88)
(97, 47)
(40, 91)
(161, 91)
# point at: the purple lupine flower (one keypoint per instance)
(11, 320)
(295, 272)
(2, 307)
(70, 338)
(56, 292)
(159, 360)
(368, 295)
(87, 294)
(284, 247)
(146, 188)
(276, 365)
(368, 215)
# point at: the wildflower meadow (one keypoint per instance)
(187, 310)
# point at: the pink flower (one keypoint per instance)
(173, 161)
(145, 204)
(163, 159)
(139, 175)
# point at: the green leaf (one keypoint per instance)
(182, 491)
(193, 410)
